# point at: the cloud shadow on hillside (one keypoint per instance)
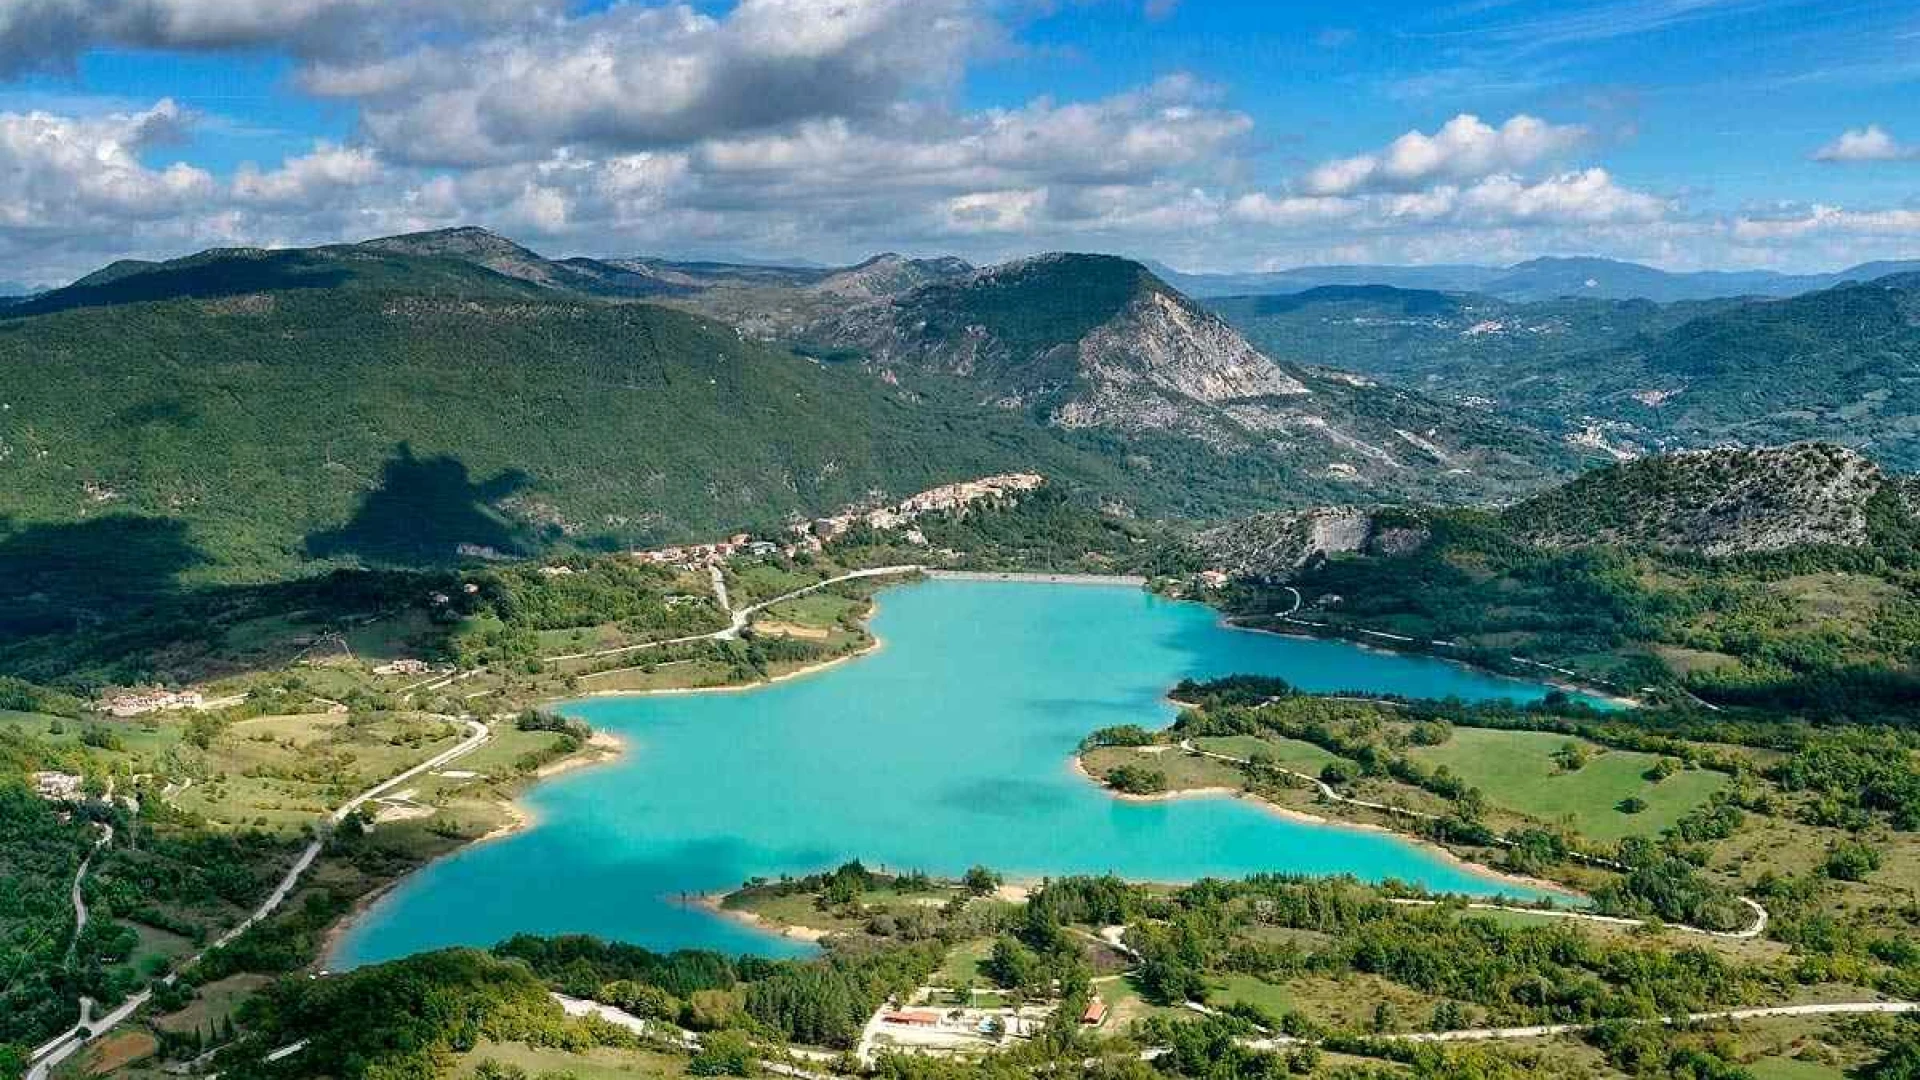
(424, 512)
(54, 576)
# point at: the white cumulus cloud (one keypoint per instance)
(1871, 143)
(325, 175)
(1464, 148)
(59, 169)
(637, 76)
(45, 34)
(1824, 219)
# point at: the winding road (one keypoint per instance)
(741, 616)
(51, 1054)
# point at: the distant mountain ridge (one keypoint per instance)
(1538, 279)
(1837, 365)
(1631, 377)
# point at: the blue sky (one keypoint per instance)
(1211, 135)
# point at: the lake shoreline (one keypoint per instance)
(601, 748)
(873, 645)
(1036, 577)
(715, 904)
(1308, 818)
(605, 750)
(814, 668)
(1611, 697)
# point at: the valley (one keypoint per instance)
(959, 540)
(1621, 378)
(863, 592)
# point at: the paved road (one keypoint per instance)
(688, 1040)
(52, 1054)
(741, 616)
(79, 924)
(79, 878)
(1542, 1031)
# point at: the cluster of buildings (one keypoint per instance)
(944, 499)
(929, 1029)
(701, 556)
(404, 666)
(811, 536)
(140, 702)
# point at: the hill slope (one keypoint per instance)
(1632, 377)
(1780, 576)
(1717, 502)
(1838, 365)
(359, 424)
(1089, 342)
(1456, 344)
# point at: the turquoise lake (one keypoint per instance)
(948, 747)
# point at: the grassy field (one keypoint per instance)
(599, 1063)
(962, 965)
(1784, 1068)
(213, 1003)
(281, 772)
(118, 1050)
(669, 675)
(1292, 754)
(157, 949)
(757, 582)
(799, 909)
(1126, 1005)
(1516, 770)
(1228, 989)
(1183, 771)
(821, 609)
(142, 740)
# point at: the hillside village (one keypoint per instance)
(809, 536)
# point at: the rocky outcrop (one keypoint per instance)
(1138, 367)
(1717, 502)
(889, 275)
(1093, 341)
(1272, 547)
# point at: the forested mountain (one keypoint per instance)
(1090, 342)
(1540, 279)
(1842, 364)
(262, 430)
(1781, 577)
(1453, 343)
(1116, 348)
(247, 415)
(1723, 502)
(1629, 377)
